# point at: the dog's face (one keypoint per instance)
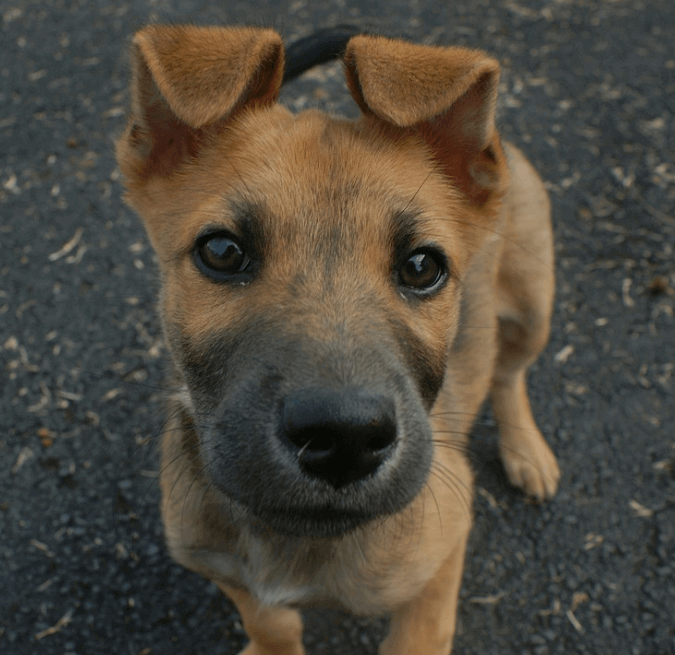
(311, 285)
(312, 275)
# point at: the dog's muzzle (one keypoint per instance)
(309, 438)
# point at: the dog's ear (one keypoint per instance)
(447, 96)
(185, 82)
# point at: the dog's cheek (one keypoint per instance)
(204, 370)
(424, 359)
(231, 427)
(427, 367)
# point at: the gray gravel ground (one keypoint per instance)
(588, 92)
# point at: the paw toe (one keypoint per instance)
(534, 470)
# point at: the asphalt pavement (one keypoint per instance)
(588, 92)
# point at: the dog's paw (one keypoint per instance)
(531, 465)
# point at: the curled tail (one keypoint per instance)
(318, 48)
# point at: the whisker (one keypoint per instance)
(184, 451)
(424, 181)
(463, 448)
(453, 482)
(197, 476)
(459, 221)
(451, 413)
(438, 509)
(302, 450)
(117, 378)
(124, 464)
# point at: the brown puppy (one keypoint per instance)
(338, 299)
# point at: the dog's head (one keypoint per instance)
(311, 267)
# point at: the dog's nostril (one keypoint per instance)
(339, 436)
(381, 442)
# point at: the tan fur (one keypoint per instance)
(204, 130)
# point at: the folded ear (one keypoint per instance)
(447, 96)
(185, 82)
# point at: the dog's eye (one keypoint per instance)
(423, 270)
(221, 254)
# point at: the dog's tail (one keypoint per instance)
(319, 47)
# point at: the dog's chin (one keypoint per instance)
(327, 523)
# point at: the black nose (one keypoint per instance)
(340, 435)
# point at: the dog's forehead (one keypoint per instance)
(312, 162)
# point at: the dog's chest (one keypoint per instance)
(341, 575)
(270, 585)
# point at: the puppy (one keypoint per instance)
(338, 299)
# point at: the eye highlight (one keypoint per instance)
(424, 271)
(221, 257)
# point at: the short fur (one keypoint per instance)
(324, 323)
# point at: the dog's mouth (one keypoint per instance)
(290, 503)
(320, 523)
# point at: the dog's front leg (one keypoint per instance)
(272, 630)
(426, 624)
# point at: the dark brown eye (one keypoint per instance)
(423, 270)
(222, 254)
(222, 257)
